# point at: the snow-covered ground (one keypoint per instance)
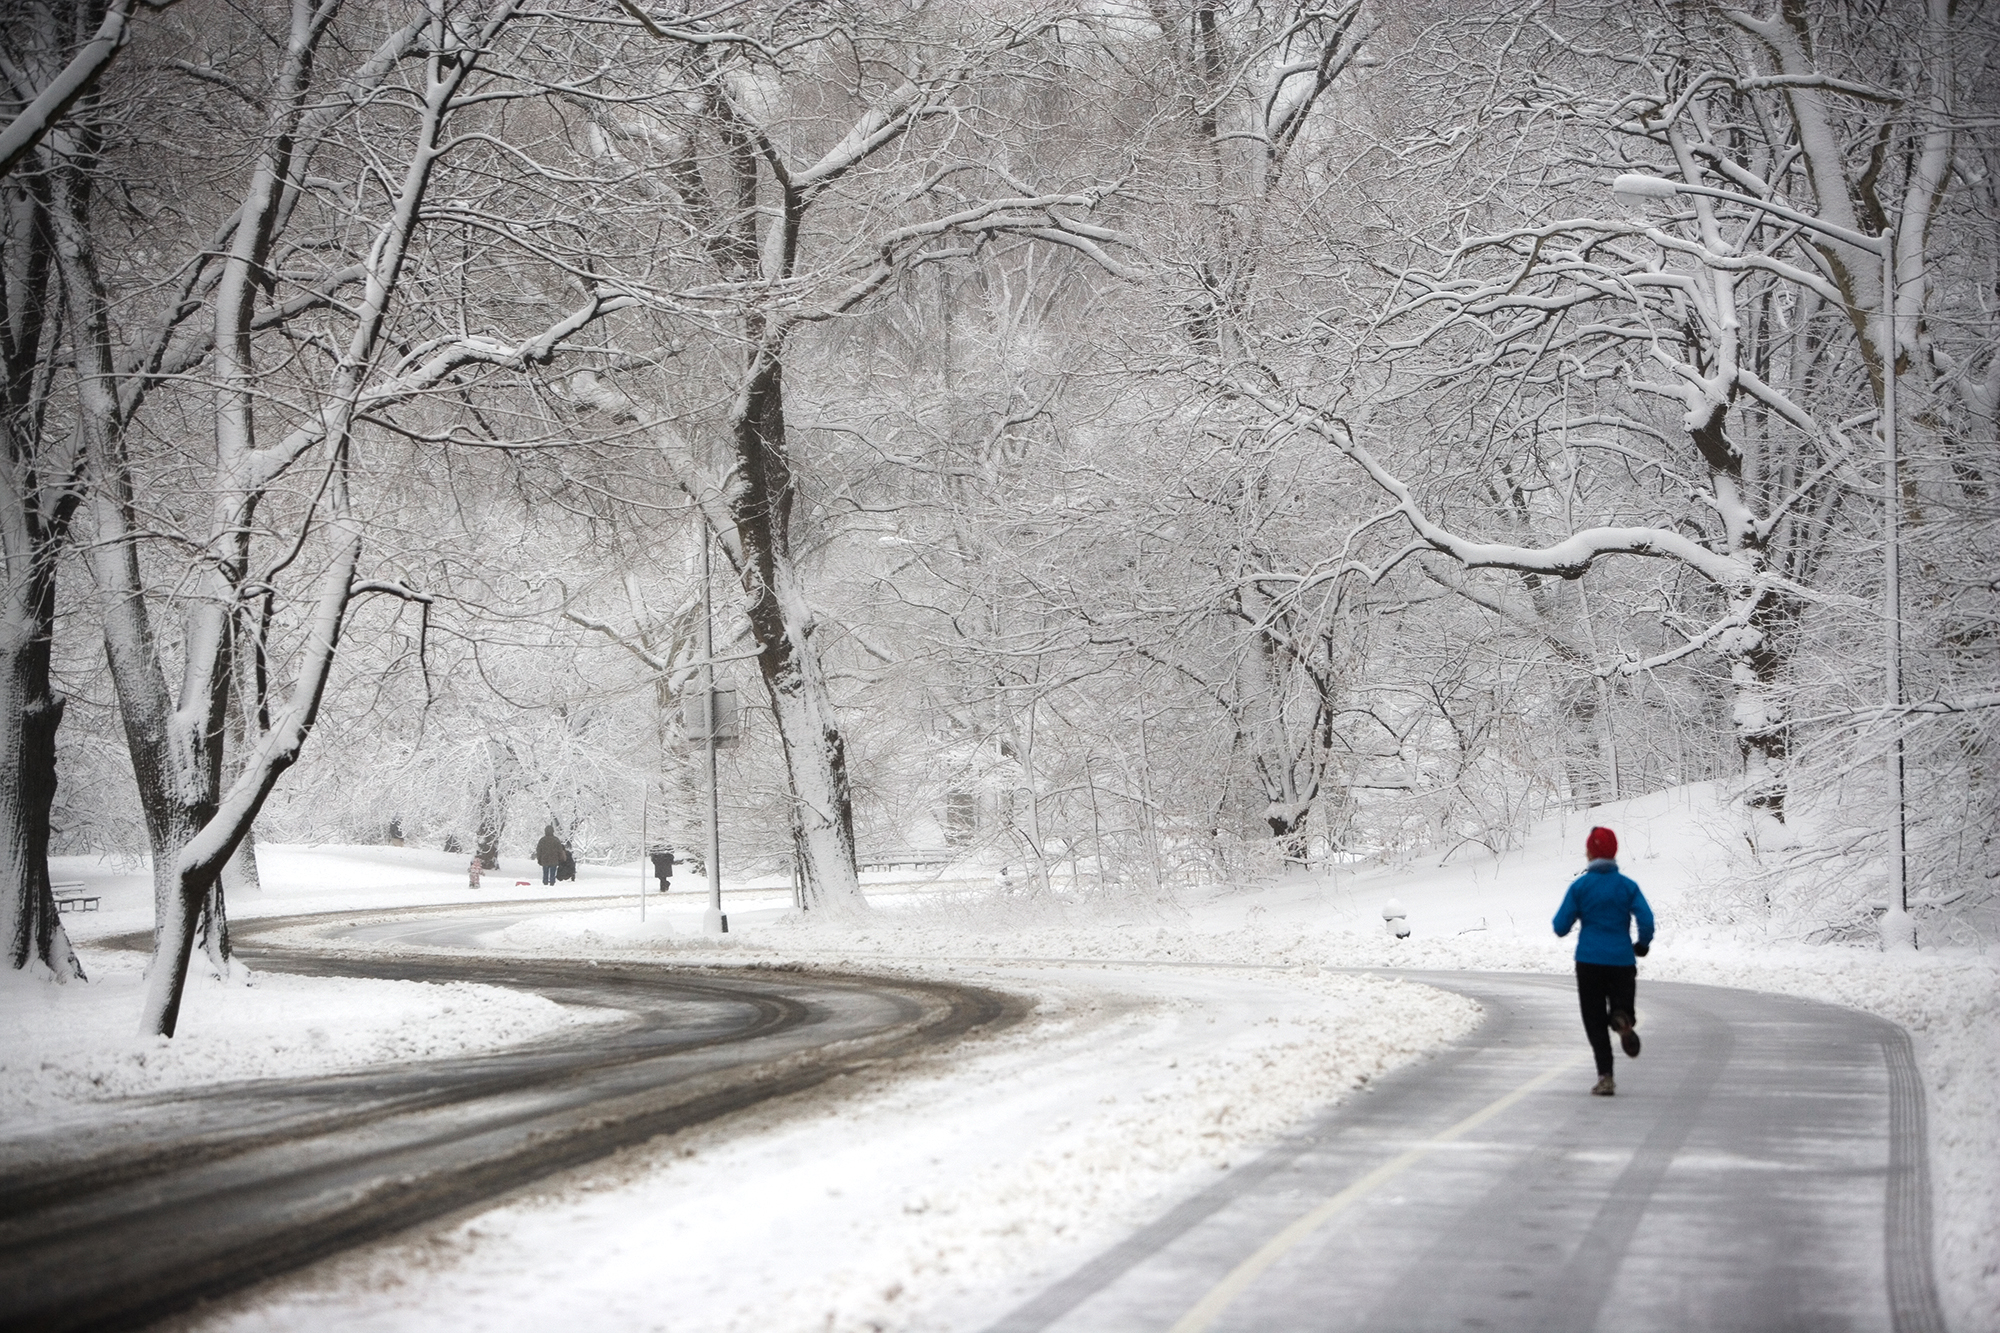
(70, 1045)
(62, 1046)
(933, 1201)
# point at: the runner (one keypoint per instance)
(1607, 966)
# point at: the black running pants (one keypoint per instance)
(1604, 990)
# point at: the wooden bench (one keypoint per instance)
(69, 900)
(906, 860)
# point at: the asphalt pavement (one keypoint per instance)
(1761, 1168)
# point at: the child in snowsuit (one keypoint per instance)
(1607, 967)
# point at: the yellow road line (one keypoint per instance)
(1205, 1311)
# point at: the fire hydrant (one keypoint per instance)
(1397, 919)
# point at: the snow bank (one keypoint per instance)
(71, 1045)
(325, 878)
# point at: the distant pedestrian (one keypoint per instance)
(473, 871)
(1607, 966)
(550, 854)
(663, 868)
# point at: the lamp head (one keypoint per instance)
(1639, 185)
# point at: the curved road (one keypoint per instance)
(1761, 1168)
(158, 1202)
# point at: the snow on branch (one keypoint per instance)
(277, 749)
(1566, 559)
(1738, 618)
(76, 78)
(876, 128)
(670, 666)
(669, 31)
(1971, 703)
(1034, 218)
(390, 586)
(435, 367)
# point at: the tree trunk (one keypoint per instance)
(176, 755)
(492, 824)
(29, 715)
(1290, 833)
(212, 931)
(38, 490)
(1287, 771)
(1580, 706)
(241, 875)
(822, 809)
(1762, 717)
(501, 781)
(760, 505)
(177, 920)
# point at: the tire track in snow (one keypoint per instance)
(197, 1194)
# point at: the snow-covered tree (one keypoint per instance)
(273, 526)
(811, 168)
(1689, 378)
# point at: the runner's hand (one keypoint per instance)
(1642, 949)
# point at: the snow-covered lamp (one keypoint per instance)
(1638, 185)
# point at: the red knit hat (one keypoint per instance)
(1601, 845)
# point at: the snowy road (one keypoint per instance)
(161, 1201)
(1762, 1168)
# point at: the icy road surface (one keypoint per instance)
(1761, 1168)
(154, 1203)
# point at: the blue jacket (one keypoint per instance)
(1606, 902)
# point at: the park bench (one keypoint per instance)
(905, 860)
(70, 898)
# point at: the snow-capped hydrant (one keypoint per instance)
(1398, 919)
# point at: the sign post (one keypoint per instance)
(706, 721)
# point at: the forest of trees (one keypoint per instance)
(1146, 443)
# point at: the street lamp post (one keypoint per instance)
(1898, 929)
(713, 922)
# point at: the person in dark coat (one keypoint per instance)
(663, 867)
(1607, 966)
(550, 853)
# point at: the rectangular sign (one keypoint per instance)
(710, 714)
